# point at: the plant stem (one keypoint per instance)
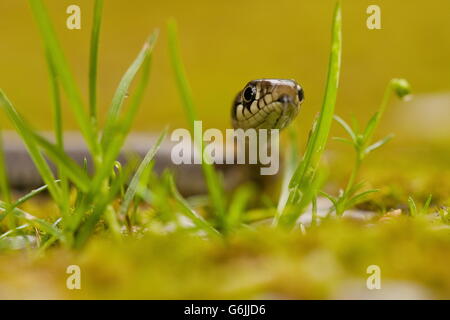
(353, 175)
(59, 138)
(304, 177)
(111, 219)
(314, 212)
(350, 183)
(387, 95)
(95, 35)
(213, 181)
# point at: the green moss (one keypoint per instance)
(263, 263)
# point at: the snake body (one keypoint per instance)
(267, 104)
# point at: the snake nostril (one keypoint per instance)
(285, 99)
(301, 95)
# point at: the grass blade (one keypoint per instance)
(121, 130)
(122, 126)
(346, 126)
(56, 95)
(212, 180)
(70, 167)
(12, 231)
(93, 61)
(131, 191)
(293, 211)
(4, 183)
(426, 206)
(88, 227)
(58, 128)
(36, 222)
(198, 220)
(237, 207)
(344, 140)
(30, 143)
(22, 200)
(379, 143)
(67, 81)
(316, 144)
(291, 162)
(359, 198)
(303, 178)
(124, 85)
(412, 207)
(4, 186)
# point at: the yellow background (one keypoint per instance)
(225, 44)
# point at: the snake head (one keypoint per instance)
(267, 104)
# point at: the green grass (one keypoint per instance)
(93, 61)
(213, 181)
(138, 237)
(363, 145)
(61, 67)
(307, 179)
(96, 193)
(113, 202)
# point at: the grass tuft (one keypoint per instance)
(96, 194)
(213, 181)
(305, 180)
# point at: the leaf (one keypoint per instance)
(123, 87)
(370, 128)
(355, 188)
(213, 182)
(355, 123)
(304, 177)
(70, 167)
(379, 144)
(198, 220)
(237, 206)
(93, 58)
(333, 200)
(88, 227)
(131, 191)
(401, 87)
(22, 200)
(426, 206)
(344, 140)
(290, 163)
(305, 171)
(4, 183)
(346, 127)
(28, 138)
(12, 231)
(36, 222)
(412, 207)
(296, 210)
(122, 126)
(67, 81)
(359, 198)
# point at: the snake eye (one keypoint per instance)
(300, 94)
(249, 94)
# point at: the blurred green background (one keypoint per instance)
(224, 45)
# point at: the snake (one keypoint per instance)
(261, 104)
(267, 104)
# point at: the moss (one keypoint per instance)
(262, 263)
